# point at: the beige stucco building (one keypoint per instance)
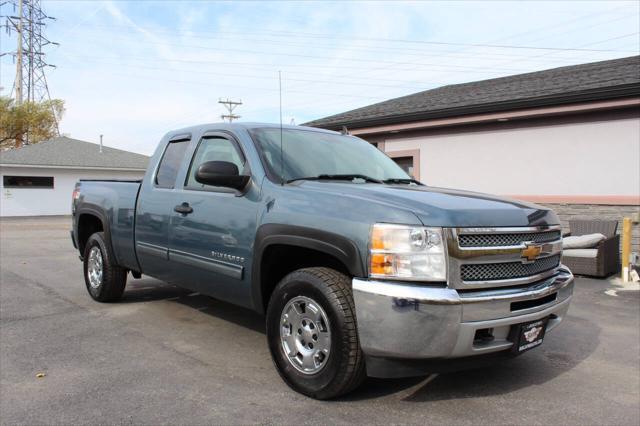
(567, 137)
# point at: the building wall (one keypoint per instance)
(583, 167)
(44, 202)
(593, 158)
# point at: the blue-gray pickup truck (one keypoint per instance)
(359, 269)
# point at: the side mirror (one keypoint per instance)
(221, 173)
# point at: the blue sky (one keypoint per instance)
(134, 70)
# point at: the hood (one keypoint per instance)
(441, 206)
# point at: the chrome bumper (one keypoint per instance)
(400, 320)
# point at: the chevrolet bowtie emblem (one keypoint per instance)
(531, 252)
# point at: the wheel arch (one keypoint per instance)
(91, 221)
(301, 247)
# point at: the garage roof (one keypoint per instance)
(67, 152)
(611, 79)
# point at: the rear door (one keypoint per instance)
(213, 228)
(155, 209)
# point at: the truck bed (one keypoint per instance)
(114, 201)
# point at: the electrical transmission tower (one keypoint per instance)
(28, 21)
(230, 106)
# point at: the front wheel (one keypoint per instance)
(104, 279)
(312, 333)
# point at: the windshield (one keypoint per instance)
(309, 154)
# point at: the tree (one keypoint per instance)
(30, 121)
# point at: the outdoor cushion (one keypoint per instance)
(582, 241)
(587, 253)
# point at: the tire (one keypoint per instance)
(322, 295)
(104, 279)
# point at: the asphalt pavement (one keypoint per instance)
(165, 355)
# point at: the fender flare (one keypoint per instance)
(89, 210)
(338, 246)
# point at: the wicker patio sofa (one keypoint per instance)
(607, 258)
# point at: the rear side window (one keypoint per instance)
(170, 163)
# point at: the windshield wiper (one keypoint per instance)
(402, 180)
(338, 177)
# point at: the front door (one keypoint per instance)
(213, 228)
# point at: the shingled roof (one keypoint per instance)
(611, 79)
(67, 152)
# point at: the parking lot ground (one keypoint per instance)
(165, 355)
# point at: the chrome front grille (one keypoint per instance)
(485, 258)
(503, 240)
(508, 270)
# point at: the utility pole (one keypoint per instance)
(28, 23)
(230, 106)
(19, 57)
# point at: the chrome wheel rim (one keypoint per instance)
(305, 335)
(94, 267)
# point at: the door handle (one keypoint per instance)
(183, 208)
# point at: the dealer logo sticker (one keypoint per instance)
(532, 334)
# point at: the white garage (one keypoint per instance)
(38, 180)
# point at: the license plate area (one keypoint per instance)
(528, 335)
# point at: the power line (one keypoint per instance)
(449, 68)
(208, 84)
(420, 85)
(301, 55)
(585, 45)
(298, 34)
(497, 46)
(351, 47)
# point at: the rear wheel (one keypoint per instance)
(312, 333)
(104, 279)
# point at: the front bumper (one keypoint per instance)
(407, 321)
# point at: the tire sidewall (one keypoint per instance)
(304, 284)
(96, 240)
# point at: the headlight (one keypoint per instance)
(413, 253)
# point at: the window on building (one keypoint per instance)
(27, 182)
(406, 163)
(170, 164)
(214, 149)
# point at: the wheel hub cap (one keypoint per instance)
(305, 335)
(94, 267)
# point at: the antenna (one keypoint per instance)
(281, 152)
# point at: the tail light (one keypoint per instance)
(74, 197)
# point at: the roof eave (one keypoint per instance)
(609, 93)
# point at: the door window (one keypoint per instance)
(170, 164)
(213, 149)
